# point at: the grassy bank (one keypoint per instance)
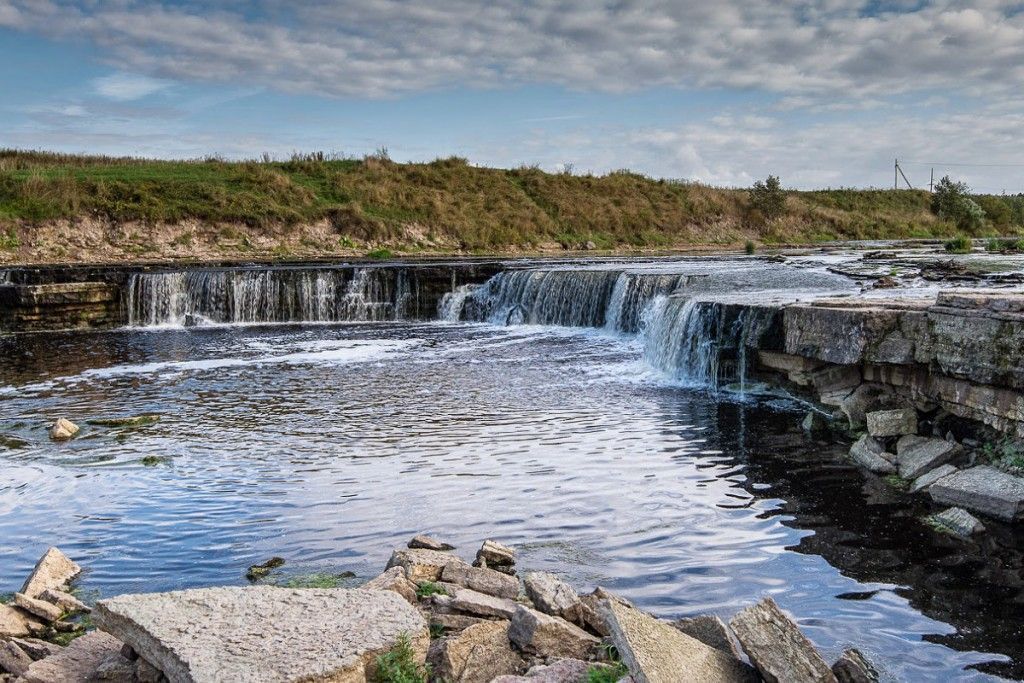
(79, 208)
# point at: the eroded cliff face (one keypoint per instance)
(962, 352)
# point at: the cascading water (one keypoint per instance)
(269, 296)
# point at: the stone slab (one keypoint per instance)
(480, 604)
(917, 455)
(551, 595)
(547, 636)
(710, 630)
(959, 522)
(982, 489)
(892, 422)
(54, 570)
(870, 454)
(15, 623)
(481, 580)
(422, 565)
(77, 663)
(656, 652)
(478, 654)
(777, 648)
(263, 633)
(928, 478)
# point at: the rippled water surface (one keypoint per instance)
(330, 445)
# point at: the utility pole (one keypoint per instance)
(931, 183)
(896, 175)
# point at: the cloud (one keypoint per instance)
(810, 49)
(125, 87)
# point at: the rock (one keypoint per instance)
(892, 422)
(493, 554)
(481, 604)
(815, 424)
(481, 580)
(450, 621)
(77, 663)
(543, 635)
(263, 632)
(40, 608)
(559, 671)
(870, 454)
(134, 421)
(13, 659)
(776, 647)
(258, 571)
(54, 570)
(553, 596)
(592, 613)
(864, 399)
(15, 623)
(67, 602)
(853, 667)
(421, 565)
(476, 655)
(393, 580)
(63, 429)
(958, 521)
(590, 246)
(916, 455)
(115, 667)
(710, 630)
(982, 489)
(146, 672)
(656, 652)
(37, 649)
(929, 478)
(424, 542)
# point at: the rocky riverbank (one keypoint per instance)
(430, 616)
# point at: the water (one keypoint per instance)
(330, 445)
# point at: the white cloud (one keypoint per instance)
(124, 87)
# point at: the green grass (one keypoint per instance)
(318, 580)
(398, 665)
(376, 206)
(428, 588)
(898, 482)
(606, 674)
(1011, 244)
(960, 245)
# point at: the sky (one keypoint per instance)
(822, 93)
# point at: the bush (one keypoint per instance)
(959, 245)
(1010, 244)
(768, 198)
(398, 665)
(750, 247)
(951, 202)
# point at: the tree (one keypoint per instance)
(952, 203)
(768, 197)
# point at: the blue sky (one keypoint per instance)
(823, 93)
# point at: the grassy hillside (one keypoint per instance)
(78, 208)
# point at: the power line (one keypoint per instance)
(941, 163)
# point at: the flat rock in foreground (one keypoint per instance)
(775, 645)
(262, 632)
(982, 489)
(657, 652)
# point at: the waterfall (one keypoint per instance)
(269, 296)
(452, 303)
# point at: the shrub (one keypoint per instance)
(398, 665)
(428, 588)
(609, 674)
(1005, 244)
(951, 202)
(381, 253)
(750, 247)
(768, 197)
(959, 245)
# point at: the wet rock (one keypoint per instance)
(871, 455)
(77, 663)
(481, 580)
(776, 647)
(63, 429)
(958, 521)
(476, 655)
(928, 478)
(916, 455)
(495, 555)
(481, 604)
(853, 667)
(710, 630)
(543, 635)
(40, 608)
(393, 580)
(54, 571)
(259, 571)
(421, 565)
(864, 399)
(551, 595)
(65, 601)
(424, 542)
(37, 649)
(982, 489)
(559, 671)
(656, 652)
(206, 634)
(886, 282)
(15, 623)
(892, 422)
(133, 421)
(13, 659)
(815, 424)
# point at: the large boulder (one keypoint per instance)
(476, 655)
(53, 571)
(16, 623)
(394, 580)
(63, 429)
(896, 422)
(777, 648)
(916, 455)
(496, 556)
(77, 663)
(982, 489)
(263, 632)
(656, 652)
(551, 595)
(481, 580)
(543, 635)
(593, 613)
(422, 565)
(871, 455)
